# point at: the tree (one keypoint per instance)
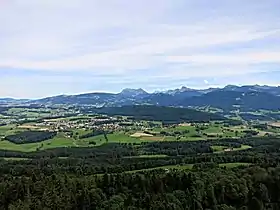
(106, 138)
(255, 204)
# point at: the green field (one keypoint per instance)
(7, 130)
(219, 149)
(189, 167)
(27, 113)
(186, 132)
(168, 167)
(69, 118)
(117, 137)
(15, 159)
(214, 129)
(202, 131)
(19, 147)
(233, 165)
(58, 141)
(243, 147)
(61, 140)
(147, 156)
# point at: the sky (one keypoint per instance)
(52, 47)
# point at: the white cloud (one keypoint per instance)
(74, 34)
(178, 39)
(231, 59)
(151, 51)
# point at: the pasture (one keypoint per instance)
(219, 149)
(168, 167)
(147, 156)
(131, 134)
(188, 167)
(233, 165)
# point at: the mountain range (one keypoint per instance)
(250, 97)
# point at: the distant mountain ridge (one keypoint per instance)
(258, 88)
(249, 97)
(133, 92)
(12, 100)
(230, 100)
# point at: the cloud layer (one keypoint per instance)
(89, 45)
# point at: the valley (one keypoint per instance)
(91, 127)
(108, 140)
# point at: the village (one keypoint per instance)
(91, 123)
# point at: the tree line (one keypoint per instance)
(30, 137)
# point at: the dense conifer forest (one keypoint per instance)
(127, 176)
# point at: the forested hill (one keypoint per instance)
(228, 98)
(160, 113)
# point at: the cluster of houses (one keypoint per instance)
(108, 123)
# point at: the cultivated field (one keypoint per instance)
(188, 167)
(186, 132)
(120, 130)
(275, 124)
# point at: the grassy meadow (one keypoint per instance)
(181, 132)
(189, 167)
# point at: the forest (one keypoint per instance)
(30, 137)
(251, 188)
(95, 133)
(152, 175)
(159, 113)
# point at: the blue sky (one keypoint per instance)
(51, 47)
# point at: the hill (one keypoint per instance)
(230, 100)
(254, 88)
(165, 114)
(88, 98)
(133, 92)
(230, 97)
